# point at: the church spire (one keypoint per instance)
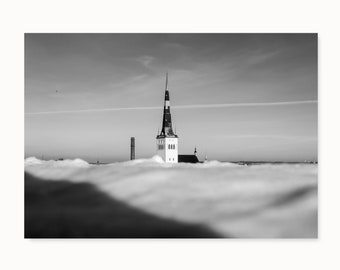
(167, 140)
(167, 123)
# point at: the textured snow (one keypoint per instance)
(57, 163)
(233, 200)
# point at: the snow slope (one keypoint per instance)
(232, 200)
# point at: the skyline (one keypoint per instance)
(234, 96)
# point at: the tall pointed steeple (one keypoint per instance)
(167, 123)
(167, 140)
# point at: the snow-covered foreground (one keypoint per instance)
(231, 200)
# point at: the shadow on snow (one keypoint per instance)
(62, 209)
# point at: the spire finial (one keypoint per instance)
(166, 81)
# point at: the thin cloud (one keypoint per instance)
(95, 110)
(173, 45)
(224, 105)
(263, 136)
(198, 106)
(146, 60)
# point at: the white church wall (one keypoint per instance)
(161, 148)
(167, 149)
(171, 150)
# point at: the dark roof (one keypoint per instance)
(188, 158)
(162, 136)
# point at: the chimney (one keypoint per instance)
(132, 148)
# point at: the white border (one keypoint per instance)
(167, 16)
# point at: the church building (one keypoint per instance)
(167, 140)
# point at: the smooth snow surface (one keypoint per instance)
(232, 200)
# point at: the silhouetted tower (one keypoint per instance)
(167, 140)
(195, 152)
(132, 148)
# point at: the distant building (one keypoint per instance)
(132, 148)
(167, 140)
(188, 158)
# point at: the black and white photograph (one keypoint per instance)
(171, 135)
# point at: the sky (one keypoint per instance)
(235, 97)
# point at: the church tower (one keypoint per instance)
(167, 140)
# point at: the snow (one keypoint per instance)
(232, 200)
(32, 161)
(154, 159)
(56, 163)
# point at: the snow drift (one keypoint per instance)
(232, 200)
